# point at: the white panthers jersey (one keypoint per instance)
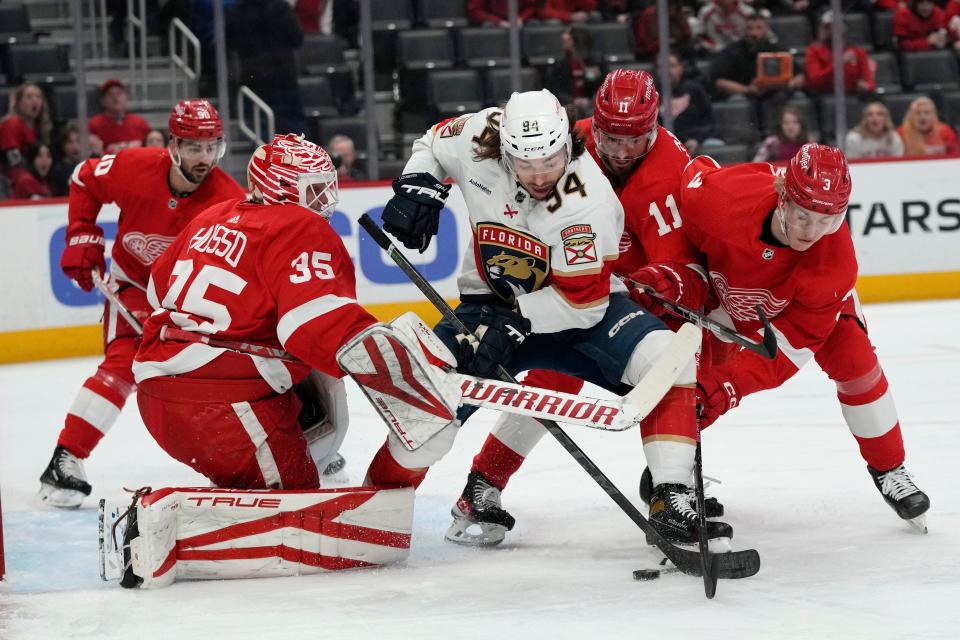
(552, 258)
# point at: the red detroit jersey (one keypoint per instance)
(650, 197)
(802, 292)
(276, 275)
(150, 216)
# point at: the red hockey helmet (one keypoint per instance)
(292, 170)
(626, 103)
(625, 115)
(195, 119)
(818, 179)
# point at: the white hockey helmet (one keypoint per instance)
(534, 126)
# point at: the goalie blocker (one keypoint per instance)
(215, 534)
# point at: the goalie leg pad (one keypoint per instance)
(405, 378)
(215, 534)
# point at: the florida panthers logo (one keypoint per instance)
(741, 303)
(512, 262)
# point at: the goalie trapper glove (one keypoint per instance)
(413, 213)
(500, 332)
(84, 251)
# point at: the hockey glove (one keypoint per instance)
(675, 282)
(84, 251)
(715, 398)
(413, 213)
(500, 332)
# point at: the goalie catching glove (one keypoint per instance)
(413, 214)
(500, 332)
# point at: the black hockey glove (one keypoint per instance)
(412, 215)
(501, 331)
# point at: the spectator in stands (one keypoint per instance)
(952, 15)
(346, 19)
(619, 10)
(568, 11)
(114, 126)
(344, 155)
(922, 132)
(266, 35)
(315, 16)
(494, 12)
(875, 136)
(34, 183)
(857, 70)
(920, 25)
(691, 109)
(27, 123)
(723, 22)
(786, 142)
(67, 155)
(155, 138)
(646, 31)
(734, 70)
(577, 76)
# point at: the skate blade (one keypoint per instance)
(919, 523)
(111, 555)
(60, 498)
(464, 532)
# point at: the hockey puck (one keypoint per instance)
(646, 574)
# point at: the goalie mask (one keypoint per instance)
(292, 170)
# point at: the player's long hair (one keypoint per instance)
(486, 146)
(912, 136)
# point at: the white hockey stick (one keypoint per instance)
(108, 293)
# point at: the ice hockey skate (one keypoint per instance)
(335, 466)
(713, 506)
(903, 496)
(64, 483)
(673, 516)
(478, 518)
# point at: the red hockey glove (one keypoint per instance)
(676, 282)
(84, 251)
(715, 398)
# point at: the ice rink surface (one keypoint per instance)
(836, 561)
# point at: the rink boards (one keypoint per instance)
(904, 217)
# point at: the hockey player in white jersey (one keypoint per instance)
(537, 288)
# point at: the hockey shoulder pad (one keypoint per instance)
(406, 373)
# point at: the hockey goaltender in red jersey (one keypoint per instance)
(158, 191)
(776, 238)
(271, 271)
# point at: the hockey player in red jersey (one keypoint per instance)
(158, 192)
(643, 162)
(776, 238)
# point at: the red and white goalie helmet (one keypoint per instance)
(625, 110)
(292, 170)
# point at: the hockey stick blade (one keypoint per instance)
(736, 564)
(767, 347)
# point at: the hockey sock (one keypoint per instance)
(670, 437)
(93, 412)
(384, 470)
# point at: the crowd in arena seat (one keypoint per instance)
(438, 58)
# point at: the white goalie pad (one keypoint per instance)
(405, 372)
(215, 534)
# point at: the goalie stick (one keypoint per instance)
(735, 564)
(767, 347)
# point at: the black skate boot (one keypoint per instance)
(64, 483)
(902, 495)
(713, 507)
(335, 466)
(673, 516)
(479, 508)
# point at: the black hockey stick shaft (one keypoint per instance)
(707, 563)
(739, 564)
(766, 348)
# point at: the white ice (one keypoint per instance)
(836, 561)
